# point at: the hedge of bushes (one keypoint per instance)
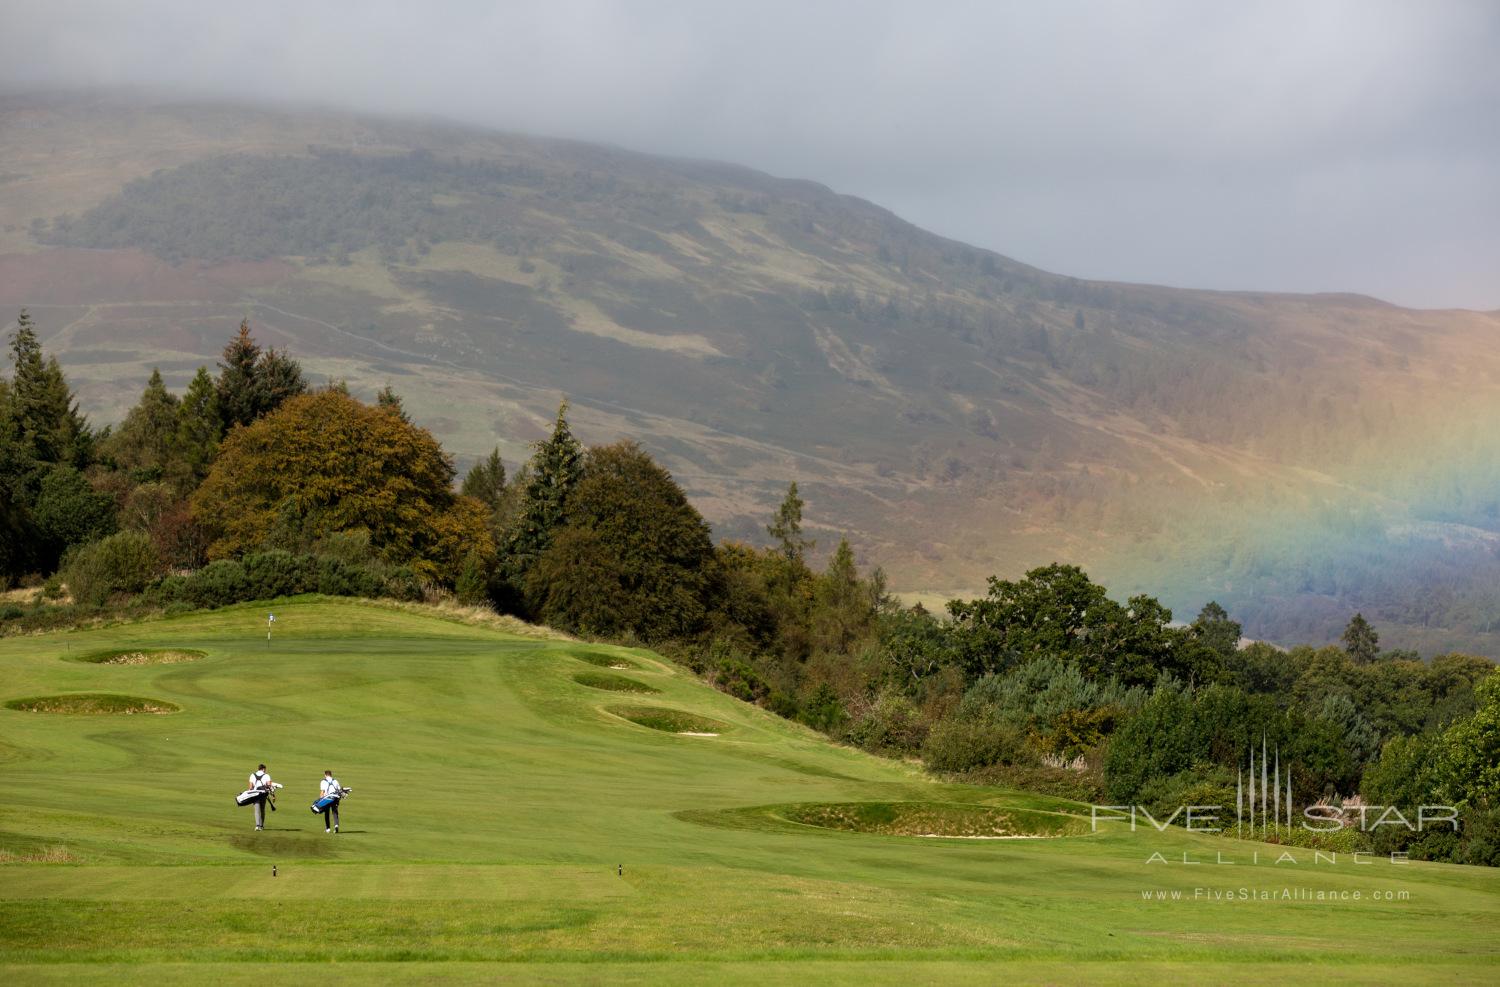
(265, 575)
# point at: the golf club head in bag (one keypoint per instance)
(331, 799)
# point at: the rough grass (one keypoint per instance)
(92, 703)
(613, 683)
(37, 855)
(930, 819)
(669, 720)
(132, 656)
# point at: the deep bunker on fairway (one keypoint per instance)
(92, 703)
(607, 661)
(613, 683)
(141, 656)
(670, 720)
(935, 819)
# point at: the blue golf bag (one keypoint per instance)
(330, 800)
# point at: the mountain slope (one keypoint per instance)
(958, 412)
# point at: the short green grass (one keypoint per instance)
(506, 826)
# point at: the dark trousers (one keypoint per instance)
(334, 811)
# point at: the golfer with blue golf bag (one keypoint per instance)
(331, 793)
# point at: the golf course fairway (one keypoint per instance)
(518, 815)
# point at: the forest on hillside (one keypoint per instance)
(1120, 417)
(252, 485)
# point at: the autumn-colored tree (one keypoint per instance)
(325, 463)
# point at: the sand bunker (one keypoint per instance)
(142, 656)
(935, 820)
(670, 720)
(613, 683)
(93, 704)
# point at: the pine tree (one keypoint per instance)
(279, 377)
(391, 401)
(485, 482)
(1215, 629)
(253, 382)
(199, 429)
(147, 440)
(236, 387)
(786, 528)
(844, 609)
(45, 415)
(555, 469)
(1361, 642)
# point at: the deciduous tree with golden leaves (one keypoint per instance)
(324, 463)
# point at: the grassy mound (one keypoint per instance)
(92, 703)
(669, 720)
(613, 683)
(138, 656)
(932, 819)
(604, 660)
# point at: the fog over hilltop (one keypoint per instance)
(1327, 147)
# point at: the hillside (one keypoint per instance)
(958, 412)
(508, 810)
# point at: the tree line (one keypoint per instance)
(252, 484)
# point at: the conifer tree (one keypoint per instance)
(485, 482)
(146, 441)
(199, 429)
(254, 382)
(391, 401)
(1360, 640)
(236, 386)
(555, 469)
(46, 417)
(786, 528)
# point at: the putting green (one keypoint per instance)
(506, 825)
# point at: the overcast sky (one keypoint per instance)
(1302, 146)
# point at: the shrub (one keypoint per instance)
(736, 677)
(278, 573)
(122, 563)
(891, 723)
(217, 584)
(960, 744)
(68, 511)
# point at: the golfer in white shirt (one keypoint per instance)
(330, 786)
(260, 779)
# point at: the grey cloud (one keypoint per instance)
(1291, 146)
